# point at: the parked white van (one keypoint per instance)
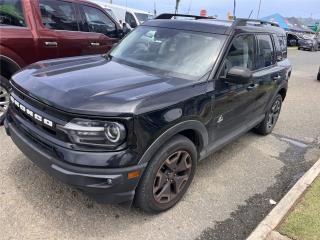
(133, 17)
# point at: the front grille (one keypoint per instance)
(42, 110)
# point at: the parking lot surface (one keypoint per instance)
(231, 193)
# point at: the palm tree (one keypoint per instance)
(177, 6)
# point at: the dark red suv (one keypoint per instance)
(33, 30)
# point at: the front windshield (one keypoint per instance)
(142, 17)
(180, 53)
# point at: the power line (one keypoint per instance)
(259, 9)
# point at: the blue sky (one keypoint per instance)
(288, 8)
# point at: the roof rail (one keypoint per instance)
(173, 15)
(245, 21)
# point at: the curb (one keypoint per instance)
(273, 219)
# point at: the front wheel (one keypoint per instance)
(168, 175)
(271, 118)
(4, 98)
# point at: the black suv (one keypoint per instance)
(131, 125)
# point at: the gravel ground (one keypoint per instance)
(231, 191)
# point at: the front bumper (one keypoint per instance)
(105, 185)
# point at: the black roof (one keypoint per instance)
(210, 25)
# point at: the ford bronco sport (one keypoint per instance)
(131, 126)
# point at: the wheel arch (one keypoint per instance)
(283, 93)
(8, 66)
(192, 129)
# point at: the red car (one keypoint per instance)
(34, 30)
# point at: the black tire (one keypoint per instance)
(146, 195)
(265, 127)
(4, 90)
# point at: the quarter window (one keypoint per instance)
(11, 13)
(277, 46)
(241, 54)
(99, 22)
(265, 51)
(283, 45)
(58, 15)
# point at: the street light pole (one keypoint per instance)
(234, 9)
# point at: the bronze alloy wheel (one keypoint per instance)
(172, 177)
(274, 114)
(4, 101)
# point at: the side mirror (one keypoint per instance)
(133, 24)
(239, 75)
(126, 28)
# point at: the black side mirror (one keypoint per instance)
(126, 28)
(133, 24)
(239, 75)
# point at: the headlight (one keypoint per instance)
(95, 133)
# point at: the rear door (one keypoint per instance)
(101, 29)
(268, 73)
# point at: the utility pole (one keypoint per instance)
(259, 9)
(234, 9)
(177, 6)
(189, 8)
(154, 8)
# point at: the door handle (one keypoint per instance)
(51, 44)
(95, 44)
(277, 78)
(252, 86)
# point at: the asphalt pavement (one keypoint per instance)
(233, 189)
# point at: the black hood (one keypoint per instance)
(95, 85)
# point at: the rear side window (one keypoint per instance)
(11, 13)
(130, 20)
(99, 22)
(265, 51)
(58, 15)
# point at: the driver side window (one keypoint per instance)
(241, 54)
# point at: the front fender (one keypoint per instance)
(194, 125)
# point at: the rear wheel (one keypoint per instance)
(168, 176)
(271, 118)
(4, 98)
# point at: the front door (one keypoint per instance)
(233, 103)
